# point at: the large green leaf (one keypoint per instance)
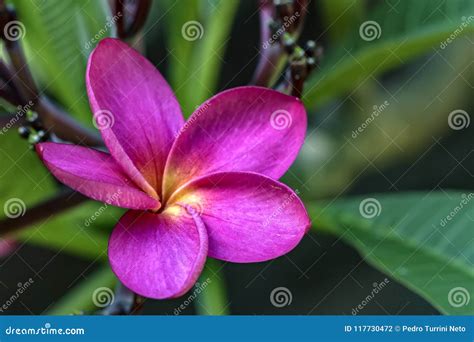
(59, 35)
(408, 29)
(410, 237)
(23, 179)
(81, 231)
(198, 34)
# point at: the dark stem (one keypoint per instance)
(131, 16)
(22, 82)
(58, 203)
(277, 16)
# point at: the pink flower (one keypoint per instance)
(202, 188)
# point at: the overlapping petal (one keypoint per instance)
(94, 174)
(134, 109)
(249, 217)
(158, 255)
(243, 129)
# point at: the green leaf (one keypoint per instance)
(22, 175)
(198, 37)
(59, 35)
(81, 231)
(81, 298)
(423, 240)
(406, 32)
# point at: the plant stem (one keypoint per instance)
(60, 202)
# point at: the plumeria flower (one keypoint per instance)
(207, 187)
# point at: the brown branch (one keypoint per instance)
(58, 203)
(131, 16)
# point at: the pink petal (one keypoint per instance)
(7, 246)
(94, 174)
(243, 129)
(249, 217)
(158, 255)
(135, 111)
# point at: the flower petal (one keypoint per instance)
(242, 129)
(158, 255)
(94, 174)
(134, 109)
(249, 217)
